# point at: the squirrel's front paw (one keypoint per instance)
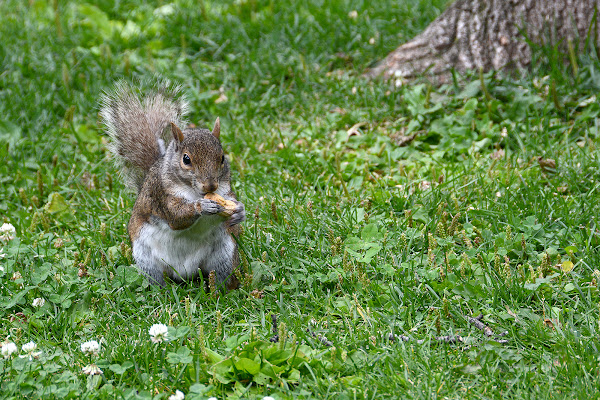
(239, 214)
(208, 207)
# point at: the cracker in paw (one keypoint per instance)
(228, 205)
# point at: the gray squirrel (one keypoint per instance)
(175, 231)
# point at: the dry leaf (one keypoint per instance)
(425, 185)
(547, 164)
(497, 154)
(403, 141)
(87, 180)
(354, 130)
(18, 316)
(221, 99)
(338, 110)
(512, 314)
(551, 323)
(566, 266)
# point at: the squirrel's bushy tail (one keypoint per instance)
(136, 119)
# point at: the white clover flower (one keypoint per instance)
(90, 348)
(29, 349)
(38, 302)
(158, 333)
(7, 232)
(2, 255)
(177, 396)
(92, 369)
(353, 14)
(8, 349)
(268, 398)
(212, 398)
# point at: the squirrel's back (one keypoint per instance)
(136, 120)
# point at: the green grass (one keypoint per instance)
(344, 242)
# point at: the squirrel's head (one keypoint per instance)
(201, 162)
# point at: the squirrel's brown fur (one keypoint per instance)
(145, 119)
(174, 230)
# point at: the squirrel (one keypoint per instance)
(175, 232)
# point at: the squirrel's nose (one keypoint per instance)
(210, 187)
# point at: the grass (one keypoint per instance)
(351, 240)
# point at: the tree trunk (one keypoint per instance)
(491, 34)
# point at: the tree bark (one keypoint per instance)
(491, 34)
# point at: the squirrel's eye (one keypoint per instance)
(222, 159)
(186, 159)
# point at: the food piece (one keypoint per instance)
(228, 205)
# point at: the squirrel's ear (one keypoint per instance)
(217, 129)
(177, 134)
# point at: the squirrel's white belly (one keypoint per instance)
(182, 254)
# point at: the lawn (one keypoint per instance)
(403, 240)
